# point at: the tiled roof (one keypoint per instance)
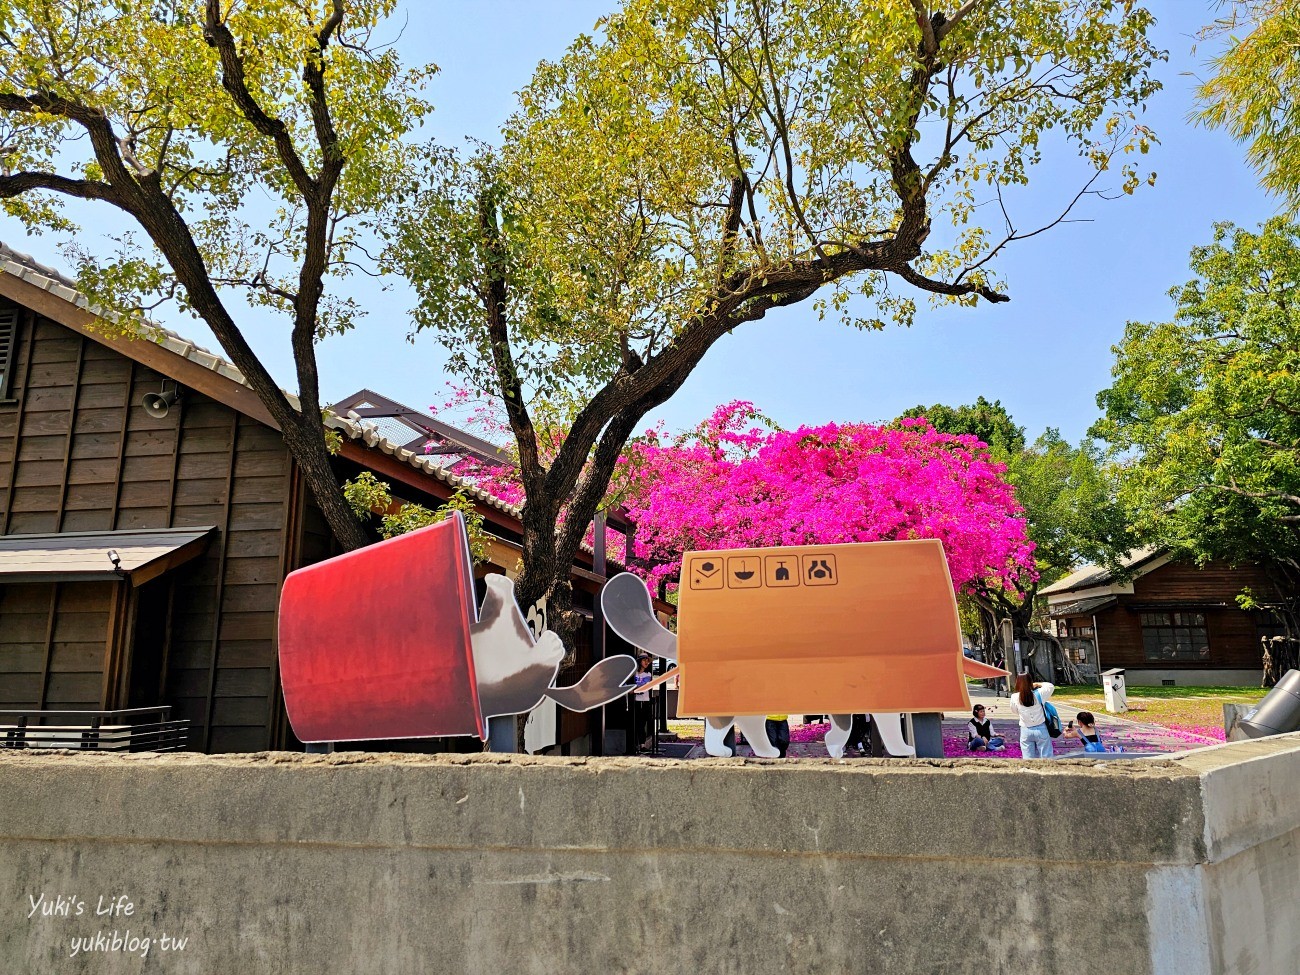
(1082, 607)
(28, 269)
(1089, 576)
(367, 431)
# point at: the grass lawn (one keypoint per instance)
(1174, 707)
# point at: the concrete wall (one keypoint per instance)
(1151, 677)
(279, 863)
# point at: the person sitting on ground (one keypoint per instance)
(1087, 732)
(979, 733)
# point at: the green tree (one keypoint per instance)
(1255, 90)
(254, 143)
(1204, 411)
(1071, 510)
(370, 497)
(701, 163)
(989, 421)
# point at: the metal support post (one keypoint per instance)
(502, 736)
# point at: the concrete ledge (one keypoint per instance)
(1206, 677)
(390, 863)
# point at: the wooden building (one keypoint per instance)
(141, 555)
(1163, 621)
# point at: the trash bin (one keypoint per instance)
(1116, 695)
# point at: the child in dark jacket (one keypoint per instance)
(979, 733)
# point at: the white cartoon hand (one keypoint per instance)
(512, 670)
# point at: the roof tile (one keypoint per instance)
(27, 268)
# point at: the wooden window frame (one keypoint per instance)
(1185, 632)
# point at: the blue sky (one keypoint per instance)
(1045, 354)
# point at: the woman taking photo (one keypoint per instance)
(1027, 702)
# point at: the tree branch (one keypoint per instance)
(946, 27)
(494, 294)
(929, 43)
(85, 189)
(218, 35)
(915, 278)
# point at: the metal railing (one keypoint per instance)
(127, 730)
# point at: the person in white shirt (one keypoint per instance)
(1027, 702)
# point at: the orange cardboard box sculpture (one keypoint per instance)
(829, 629)
(822, 629)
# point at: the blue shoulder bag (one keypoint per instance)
(1050, 716)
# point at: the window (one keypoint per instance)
(8, 346)
(1175, 636)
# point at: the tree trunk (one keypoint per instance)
(1279, 656)
(314, 461)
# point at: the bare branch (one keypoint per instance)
(1013, 235)
(955, 19)
(85, 189)
(126, 148)
(218, 35)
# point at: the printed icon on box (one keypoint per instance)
(780, 571)
(742, 572)
(819, 570)
(706, 573)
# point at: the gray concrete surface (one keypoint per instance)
(499, 864)
(1153, 677)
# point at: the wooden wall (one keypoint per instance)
(1212, 590)
(78, 453)
(53, 643)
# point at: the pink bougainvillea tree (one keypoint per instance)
(736, 481)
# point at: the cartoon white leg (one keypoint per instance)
(754, 728)
(889, 727)
(715, 733)
(837, 735)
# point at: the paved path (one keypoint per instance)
(1132, 736)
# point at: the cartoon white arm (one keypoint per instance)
(630, 613)
(511, 669)
(514, 672)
